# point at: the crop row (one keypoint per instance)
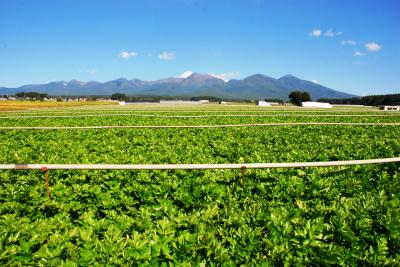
(227, 145)
(132, 120)
(321, 216)
(329, 216)
(198, 112)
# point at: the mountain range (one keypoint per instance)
(256, 86)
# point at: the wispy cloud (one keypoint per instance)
(225, 76)
(316, 33)
(349, 42)
(315, 81)
(359, 54)
(167, 55)
(186, 74)
(331, 33)
(127, 55)
(373, 47)
(91, 72)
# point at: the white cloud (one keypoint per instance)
(331, 33)
(186, 74)
(349, 42)
(167, 55)
(316, 33)
(373, 47)
(359, 54)
(126, 54)
(225, 76)
(315, 81)
(92, 71)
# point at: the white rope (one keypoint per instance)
(209, 110)
(192, 166)
(202, 126)
(197, 116)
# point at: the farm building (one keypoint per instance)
(351, 106)
(137, 102)
(390, 108)
(263, 104)
(169, 102)
(310, 104)
(173, 102)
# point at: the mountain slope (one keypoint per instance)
(256, 86)
(316, 91)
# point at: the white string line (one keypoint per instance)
(193, 110)
(214, 109)
(202, 126)
(197, 116)
(192, 166)
(251, 109)
(168, 109)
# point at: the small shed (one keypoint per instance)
(263, 104)
(174, 102)
(309, 104)
(390, 108)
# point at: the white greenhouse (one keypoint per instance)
(310, 104)
(263, 104)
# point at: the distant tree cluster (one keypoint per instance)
(297, 97)
(277, 100)
(342, 101)
(380, 100)
(31, 95)
(372, 100)
(150, 98)
(119, 97)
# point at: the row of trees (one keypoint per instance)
(119, 97)
(32, 95)
(124, 97)
(380, 100)
(372, 100)
(343, 101)
(296, 97)
(276, 100)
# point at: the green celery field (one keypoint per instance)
(298, 216)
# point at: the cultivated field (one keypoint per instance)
(323, 216)
(28, 105)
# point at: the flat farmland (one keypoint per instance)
(332, 215)
(17, 105)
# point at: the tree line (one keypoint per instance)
(144, 98)
(295, 97)
(31, 95)
(371, 100)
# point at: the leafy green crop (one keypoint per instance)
(137, 120)
(314, 216)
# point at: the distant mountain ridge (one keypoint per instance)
(256, 86)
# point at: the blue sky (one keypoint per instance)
(351, 46)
